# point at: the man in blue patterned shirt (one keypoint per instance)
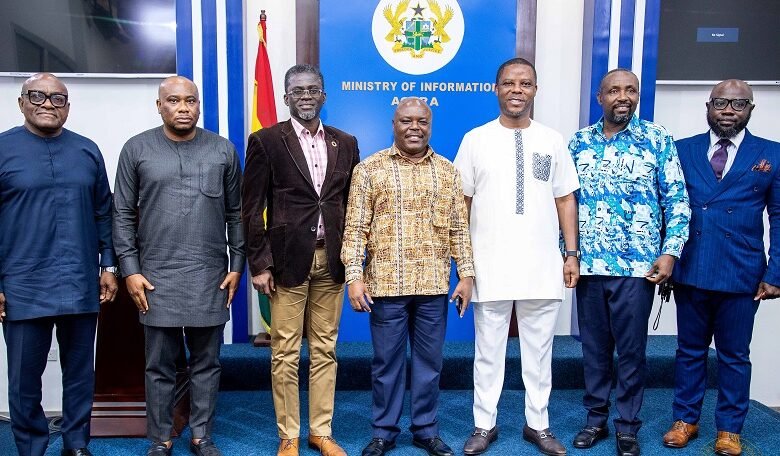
(633, 216)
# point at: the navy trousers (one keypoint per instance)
(702, 314)
(28, 343)
(613, 314)
(423, 321)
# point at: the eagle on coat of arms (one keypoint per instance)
(417, 34)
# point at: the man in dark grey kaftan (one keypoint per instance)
(177, 189)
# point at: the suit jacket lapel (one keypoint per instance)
(743, 162)
(333, 152)
(702, 163)
(294, 148)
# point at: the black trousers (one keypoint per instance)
(613, 314)
(163, 346)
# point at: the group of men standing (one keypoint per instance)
(622, 209)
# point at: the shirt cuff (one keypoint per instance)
(352, 273)
(466, 270)
(673, 247)
(108, 258)
(129, 266)
(237, 263)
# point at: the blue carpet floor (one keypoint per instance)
(246, 426)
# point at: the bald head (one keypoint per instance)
(734, 86)
(178, 103)
(172, 81)
(48, 78)
(410, 102)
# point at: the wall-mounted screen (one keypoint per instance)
(712, 40)
(112, 38)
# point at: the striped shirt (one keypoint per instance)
(411, 219)
(316, 152)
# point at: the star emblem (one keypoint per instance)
(418, 9)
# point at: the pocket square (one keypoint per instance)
(763, 166)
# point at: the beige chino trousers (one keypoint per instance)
(320, 299)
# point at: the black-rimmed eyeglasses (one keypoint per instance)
(298, 93)
(36, 97)
(738, 104)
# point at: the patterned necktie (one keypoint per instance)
(519, 173)
(718, 160)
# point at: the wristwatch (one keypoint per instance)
(112, 269)
(572, 253)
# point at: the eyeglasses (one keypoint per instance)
(298, 93)
(36, 97)
(738, 104)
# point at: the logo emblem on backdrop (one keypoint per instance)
(417, 36)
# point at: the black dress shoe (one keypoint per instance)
(545, 441)
(589, 435)
(159, 449)
(205, 447)
(627, 444)
(76, 452)
(434, 446)
(378, 447)
(480, 440)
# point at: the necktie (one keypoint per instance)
(718, 160)
(519, 174)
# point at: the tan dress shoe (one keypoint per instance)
(680, 434)
(728, 444)
(288, 447)
(326, 445)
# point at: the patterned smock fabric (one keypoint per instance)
(411, 219)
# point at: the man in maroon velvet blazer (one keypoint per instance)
(300, 170)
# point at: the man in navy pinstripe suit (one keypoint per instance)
(722, 274)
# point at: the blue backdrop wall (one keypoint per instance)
(375, 53)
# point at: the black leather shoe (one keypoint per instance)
(589, 435)
(480, 440)
(434, 446)
(76, 452)
(378, 447)
(159, 449)
(627, 444)
(545, 441)
(205, 447)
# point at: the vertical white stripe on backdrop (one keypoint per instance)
(222, 105)
(222, 76)
(639, 40)
(614, 34)
(197, 51)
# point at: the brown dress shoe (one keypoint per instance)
(680, 434)
(326, 445)
(288, 447)
(545, 441)
(479, 440)
(728, 444)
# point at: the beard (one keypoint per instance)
(306, 115)
(727, 133)
(620, 119)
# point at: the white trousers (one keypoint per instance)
(536, 326)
